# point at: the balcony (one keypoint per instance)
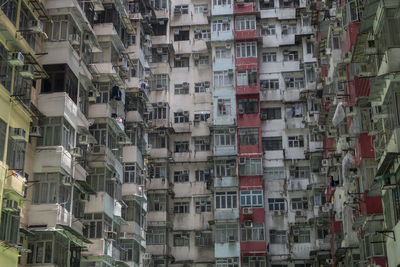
(295, 153)
(133, 191)
(132, 154)
(61, 105)
(242, 7)
(100, 246)
(157, 184)
(226, 214)
(221, 9)
(225, 150)
(222, 36)
(221, 182)
(364, 148)
(14, 182)
(193, 221)
(227, 250)
(247, 89)
(390, 62)
(286, 13)
(101, 153)
(157, 216)
(295, 123)
(247, 34)
(271, 95)
(52, 159)
(253, 246)
(133, 229)
(108, 110)
(246, 63)
(105, 30)
(223, 63)
(249, 120)
(100, 203)
(274, 155)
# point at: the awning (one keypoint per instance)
(40, 73)
(384, 177)
(26, 232)
(38, 6)
(73, 235)
(84, 187)
(385, 162)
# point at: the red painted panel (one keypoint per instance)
(244, 8)
(351, 36)
(381, 261)
(371, 205)
(248, 89)
(249, 120)
(324, 71)
(358, 88)
(364, 148)
(247, 34)
(253, 246)
(257, 216)
(250, 149)
(246, 63)
(251, 182)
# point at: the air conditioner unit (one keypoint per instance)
(232, 130)
(242, 161)
(176, 31)
(35, 131)
(196, 55)
(329, 261)
(159, 50)
(228, 45)
(177, 11)
(161, 133)
(265, 26)
(299, 213)
(147, 256)
(254, 70)
(197, 30)
(248, 224)
(16, 59)
(225, 20)
(263, 116)
(27, 71)
(230, 71)
(77, 152)
(98, 149)
(206, 171)
(186, 113)
(110, 235)
(160, 87)
(92, 97)
(67, 180)
(84, 197)
(147, 37)
(322, 128)
(18, 134)
(35, 26)
(296, 231)
(10, 205)
(75, 39)
(83, 140)
(232, 164)
(205, 10)
(231, 238)
(185, 85)
(177, 57)
(241, 110)
(206, 141)
(292, 167)
(247, 211)
(207, 84)
(277, 213)
(325, 162)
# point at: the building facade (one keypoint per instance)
(199, 133)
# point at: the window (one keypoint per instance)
(254, 233)
(252, 166)
(294, 83)
(224, 137)
(319, 199)
(202, 144)
(226, 200)
(49, 190)
(290, 56)
(277, 237)
(306, 19)
(310, 73)
(9, 227)
(181, 240)
(156, 202)
(181, 89)
(276, 204)
(201, 34)
(159, 28)
(251, 198)
(201, 116)
(204, 60)
(248, 105)
(156, 236)
(252, 261)
(132, 211)
(248, 136)
(159, 170)
(181, 207)
(130, 175)
(184, 9)
(289, 29)
(300, 172)
(3, 130)
(322, 233)
(157, 141)
(224, 107)
(199, 9)
(203, 204)
(335, 42)
(221, 25)
(203, 239)
(246, 49)
(181, 62)
(245, 23)
(96, 225)
(181, 176)
(131, 251)
(299, 203)
(201, 87)
(5, 67)
(272, 84)
(159, 82)
(221, 2)
(268, 29)
(288, 3)
(16, 154)
(274, 173)
(272, 113)
(159, 112)
(269, 57)
(202, 175)
(227, 262)
(182, 146)
(310, 48)
(159, 4)
(226, 232)
(51, 132)
(41, 249)
(267, 5)
(223, 78)
(296, 141)
(294, 110)
(181, 117)
(158, 55)
(221, 52)
(247, 77)
(59, 30)
(225, 168)
(301, 235)
(61, 79)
